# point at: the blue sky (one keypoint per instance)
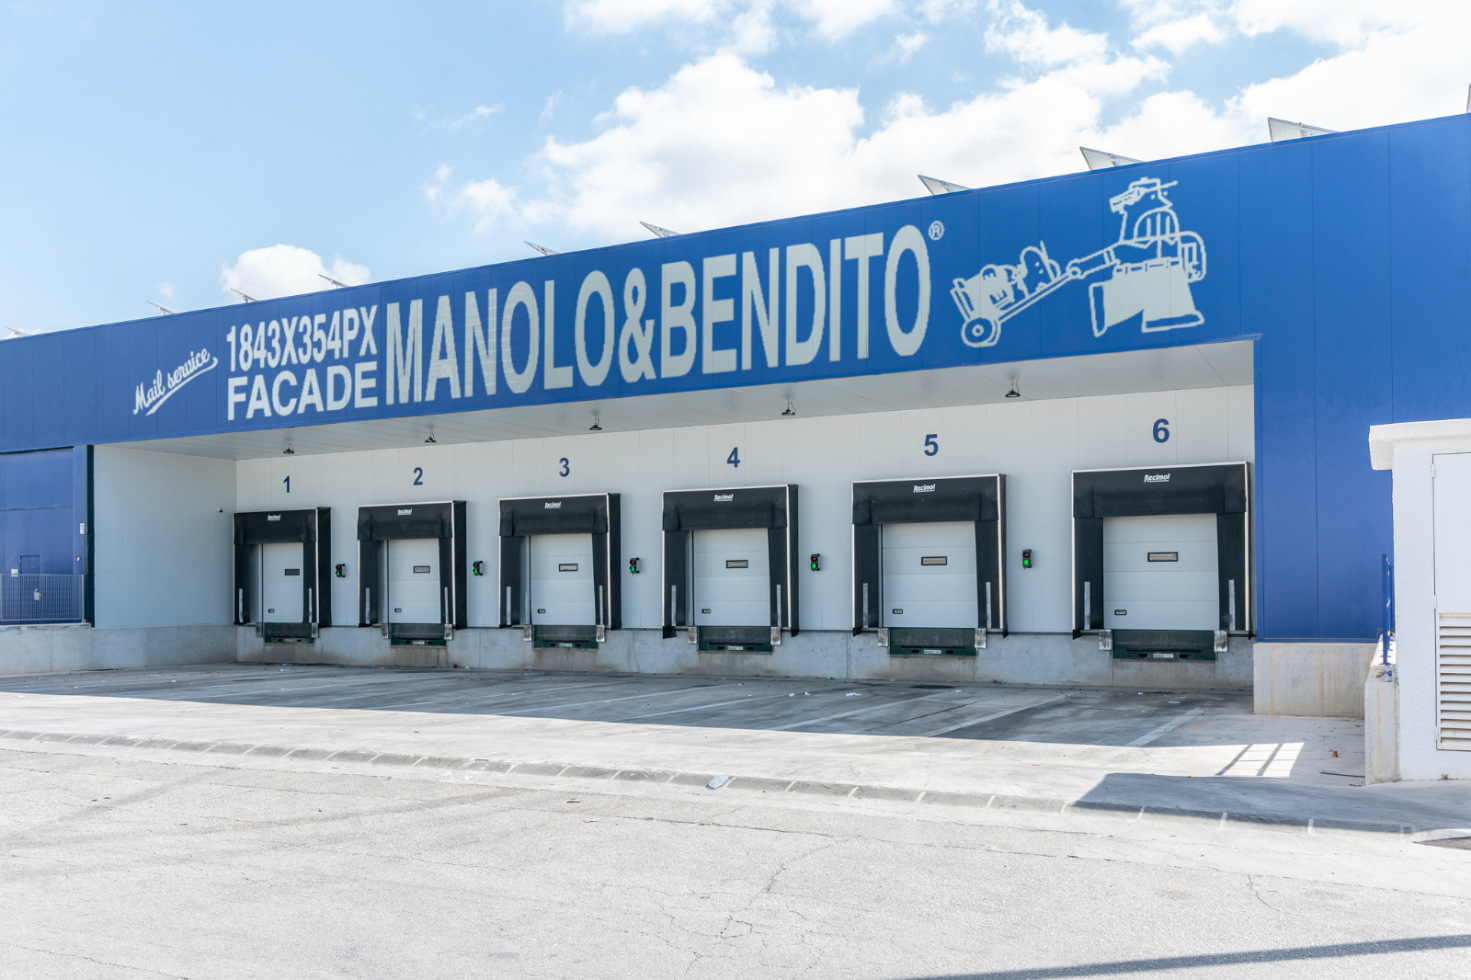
(168, 151)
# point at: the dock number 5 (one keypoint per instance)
(931, 444)
(1162, 430)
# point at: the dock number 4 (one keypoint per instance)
(734, 459)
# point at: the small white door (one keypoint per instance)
(1161, 573)
(1452, 539)
(281, 571)
(414, 594)
(929, 575)
(1452, 487)
(732, 578)
(562, 591)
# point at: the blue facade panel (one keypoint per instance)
(1352, 357)
(1346, 258)
(40, 520)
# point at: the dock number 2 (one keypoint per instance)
(418, 476)
(1162, 430)
(932, 444)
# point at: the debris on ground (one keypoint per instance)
(717, 782)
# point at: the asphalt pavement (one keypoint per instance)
(261, 822)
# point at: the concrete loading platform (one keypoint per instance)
(1143, 752)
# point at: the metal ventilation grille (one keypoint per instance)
(1453, 680)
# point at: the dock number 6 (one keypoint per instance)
(1162, 430)
(932, 444)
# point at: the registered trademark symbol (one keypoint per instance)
(937, 231)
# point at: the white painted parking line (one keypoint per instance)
(855, 711)
(1170, 725)
(718, 704)
(631, 697)
(477, 699)
(992, 717)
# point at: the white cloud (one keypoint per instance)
(1170, 124)
(489, 201)
(744, 25)
(167, 290)
(935, 11)
(903, 48)
(721, 142)
(624, 16)
(1348, 23)
(1177, 35)
(285, 270)
(836, 19)
(477, 114)
(1025, 35)
(1392, 77)
(716, 143)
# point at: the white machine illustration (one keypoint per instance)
(1150, 270)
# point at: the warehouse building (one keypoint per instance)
(1110, 428)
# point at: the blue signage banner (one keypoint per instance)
(1133, 258)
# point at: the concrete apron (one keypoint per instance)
(77, 646)
(1022, 658)
(1318, 679)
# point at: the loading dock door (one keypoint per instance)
(732, 577)
(562, 590)
(413, 581)
(1161, 573)
(929, 575)
(281, 568)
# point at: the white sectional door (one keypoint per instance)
(1452, 482)
(1161, 573)
(413, 582)
(562, 591)
(732, 575)
(930, 575)
(282, 599)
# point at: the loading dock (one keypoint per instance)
(1161, 559)
(411, 571)
(929, 562)
(730, 567)
(281, 562)
(729, 572)
(557, 568)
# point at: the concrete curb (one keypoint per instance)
(754, 784)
